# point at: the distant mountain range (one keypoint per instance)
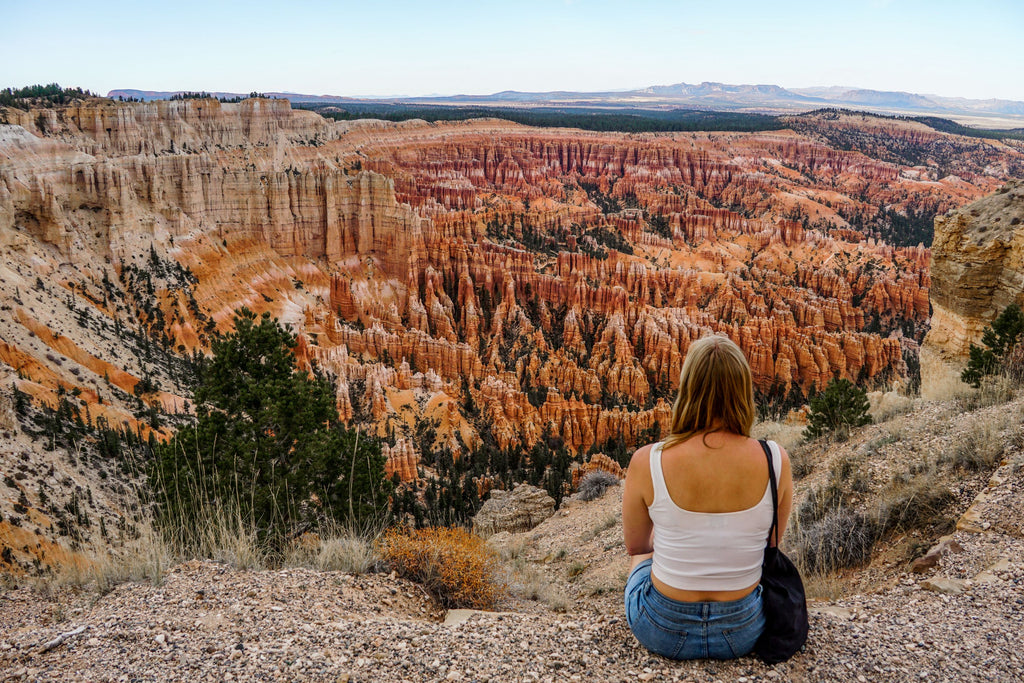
(711, 96)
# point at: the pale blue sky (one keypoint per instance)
(969, 48)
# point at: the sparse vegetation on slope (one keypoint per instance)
(891, 490)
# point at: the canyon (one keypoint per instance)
(467, 285)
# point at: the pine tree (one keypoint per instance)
(841, 406)
(999, 340)
(267, 444)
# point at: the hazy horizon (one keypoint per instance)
(406, 49)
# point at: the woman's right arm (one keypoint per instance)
(785, 493)
(636, 495)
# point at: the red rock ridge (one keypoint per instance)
(488, 260)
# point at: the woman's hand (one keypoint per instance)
(637, 494)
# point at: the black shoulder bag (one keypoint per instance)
(785, 607)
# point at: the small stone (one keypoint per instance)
(834, 610)
(161, 639)
(943, 585)
(454, 675)
(945, 546)
(1001, 565)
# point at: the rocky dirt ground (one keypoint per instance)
(961, 620)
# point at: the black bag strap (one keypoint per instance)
(775, 492)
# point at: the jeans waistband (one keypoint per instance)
(704, 609)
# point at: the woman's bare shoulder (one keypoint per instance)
(782, 452)
(642, 456)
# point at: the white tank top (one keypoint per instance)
(708, 551)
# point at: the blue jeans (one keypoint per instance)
(691, 630)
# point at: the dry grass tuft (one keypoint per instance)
(824, 586)
(945, 386)
(800, 462)
(789, 436)
(575, 570)
(995, 390)
(344, 549)
(980, 448)
(220, 534)
(529, 583)
(887, 405)
(913, 504)
(458, 568)
(610, 520)
(145, 559)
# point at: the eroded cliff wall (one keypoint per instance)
(978, 270)
(466, 283)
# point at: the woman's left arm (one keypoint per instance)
(637, 527)
(785, 495)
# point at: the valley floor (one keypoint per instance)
(210, 622)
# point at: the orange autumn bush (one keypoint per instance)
(458, 568)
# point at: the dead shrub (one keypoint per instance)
(819, 502)
(595, 483)
(841, 538)
(458, 568)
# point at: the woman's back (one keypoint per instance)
(711, 509)
(719, 472)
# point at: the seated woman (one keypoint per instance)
(696, 512)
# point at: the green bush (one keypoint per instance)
(840, 407)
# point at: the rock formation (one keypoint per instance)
(519, 510)
(977, 270)
(467, 283)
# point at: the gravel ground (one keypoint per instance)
(961, 621)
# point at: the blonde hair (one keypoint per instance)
(715, 385)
